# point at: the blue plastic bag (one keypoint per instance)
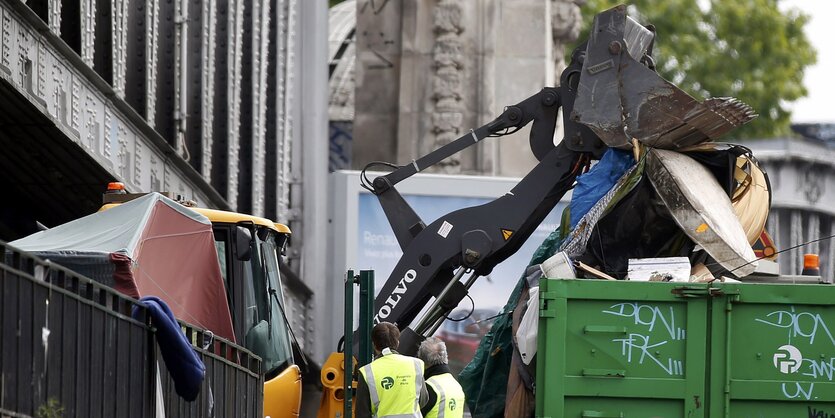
(598, 181)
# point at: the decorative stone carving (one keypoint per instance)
(24, 64)
(88, 31)
(119, 27)
(209, 19)
(155, 180)
(91, 124)
(152, 36)
(812, 184)
(447, 85)
(138, 156)
(286, 39)
(55, 16)
(235, 53)
(565, 28)
(108, 123)
(40, 89)
(6, 55)
(75, 103)
(59, 94)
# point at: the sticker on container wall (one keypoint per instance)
(445, 228)
(788, 359)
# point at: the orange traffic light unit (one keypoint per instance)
(811, 265)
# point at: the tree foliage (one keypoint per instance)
(747, 49)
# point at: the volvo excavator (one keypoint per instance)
(610, 96)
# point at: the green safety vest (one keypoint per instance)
(394, 383)
(450, 403)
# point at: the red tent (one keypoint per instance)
(148, 246)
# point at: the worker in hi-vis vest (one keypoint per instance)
(446, 398)
(391, 385)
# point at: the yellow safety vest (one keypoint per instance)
(450, 402)
(394, 383)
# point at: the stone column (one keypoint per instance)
(519, 57)
(447, 79)
(428, 71)
(378, 46)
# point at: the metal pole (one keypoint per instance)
(310, 166)
(366, 317)
(181, 102)
(348, 348)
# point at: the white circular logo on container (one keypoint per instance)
(788, 359)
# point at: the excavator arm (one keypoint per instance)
(474, 240)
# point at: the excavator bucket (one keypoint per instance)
(621, 97)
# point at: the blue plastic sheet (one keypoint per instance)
(598, 181)
(184, 365)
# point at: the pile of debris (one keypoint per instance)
(661, 215)
(647, 214)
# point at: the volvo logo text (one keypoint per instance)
(395, 296)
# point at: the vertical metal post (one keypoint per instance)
(366, 309)
(348, 355)
(181, 78)
(309, 133)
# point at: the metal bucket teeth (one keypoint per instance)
(619, 98)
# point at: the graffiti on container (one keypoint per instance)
(799, 324)
(648, 315)
(806, 327)
(816, 369)
(789, 360)
(816, 413)
(798, 390)
(637, 347)
(820, 368)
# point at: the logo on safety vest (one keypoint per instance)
(387, 382)
(788, 359)
(452, 404)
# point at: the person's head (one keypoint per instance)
(385, 335)
(433, 352)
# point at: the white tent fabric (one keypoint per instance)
(114, 230)
(150, 246)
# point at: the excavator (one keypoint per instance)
(610, 96)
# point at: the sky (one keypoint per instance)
(819, 105)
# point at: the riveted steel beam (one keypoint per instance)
(38, 65)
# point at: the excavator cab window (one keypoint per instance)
(253, 285)
(266, 332)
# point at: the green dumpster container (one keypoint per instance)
(773, 351)
(651, 350)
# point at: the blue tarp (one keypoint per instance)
(598, 181)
